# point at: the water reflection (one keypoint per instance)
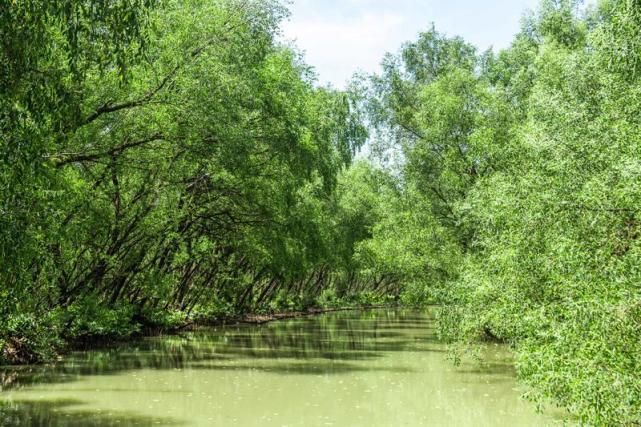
(52, 413)
(383, 367)
(348, 337)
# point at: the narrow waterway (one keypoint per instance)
(374, 368)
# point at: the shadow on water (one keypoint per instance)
(335, 338)
(334, 345)
(55, 413)
(498, 371)
(304, 368)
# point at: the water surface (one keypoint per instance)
(375, 368)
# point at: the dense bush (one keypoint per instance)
(527, 161)
(180, 164)
(161, 161)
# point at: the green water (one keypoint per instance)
(378, 368)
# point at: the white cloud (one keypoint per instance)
(341, 37)
(340, 48)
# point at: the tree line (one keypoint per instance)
(521, 196)
(168, 160)
(162, 160)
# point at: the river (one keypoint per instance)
(371, 368)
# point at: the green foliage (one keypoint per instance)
(167, 161)
(329, 299)
(27, 338)
(523, 176)
(89, 318)
(162, 161)
(162, 319)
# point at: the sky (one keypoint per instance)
(341, 37)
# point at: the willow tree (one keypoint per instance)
(168, 165)
(529, 159)
(48, 50)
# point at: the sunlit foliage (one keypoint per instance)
(529, 159)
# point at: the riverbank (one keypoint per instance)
(356, 368)
(16, 350)
(259, 319)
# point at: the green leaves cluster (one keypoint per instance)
(165, 157)
(523, 168)
(165, 160)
